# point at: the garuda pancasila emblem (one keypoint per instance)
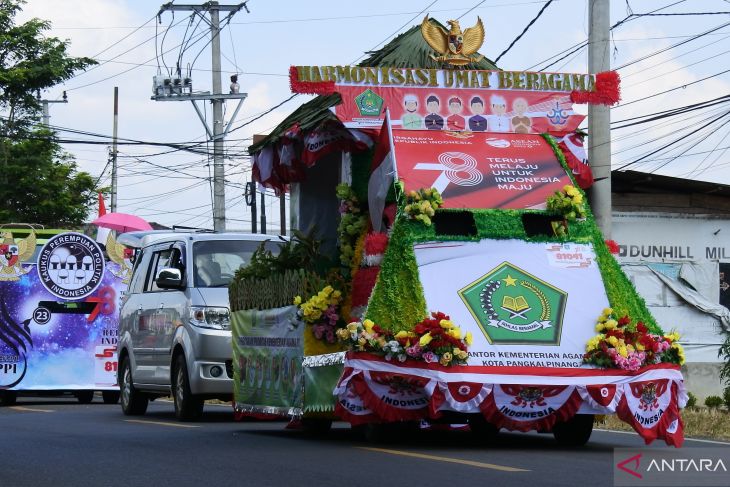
(456, 47)
(118, 254)
(13, 254)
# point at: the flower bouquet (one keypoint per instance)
(568, 203)
(433, 340)
(321, 312)
(629, 346)
(422, 204)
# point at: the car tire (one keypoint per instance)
(110, 397)
(188, 407)
(134, 403)
(574, 432)
(85, 397)
(482, 430)
(8, 398)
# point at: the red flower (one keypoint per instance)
(612, 246)
(624, 320)
(420, 329)
(641, 327)
(375, 243)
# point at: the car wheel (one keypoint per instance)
(187, 406)
(574, 432)
(85, 397)
(482, 430)
(8, 398)
(110, 397)
(134, 403)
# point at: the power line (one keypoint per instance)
(527, 27)
(674, 89)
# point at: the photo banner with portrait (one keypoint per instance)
(479, 170)
(460, 100)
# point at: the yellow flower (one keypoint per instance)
(607, 311)
(446, 324)
(425, 339)
(297, 300)
(445, 358)
(599, 327)
(468, 338)
(640, 347)
(611, 324)
(623, 352)
(343, 334)
(352, 327)
(612, 340)
(402, 334)
(328, 289)
(337, 294)
(368, 325)
(361, 341)
(455, 332)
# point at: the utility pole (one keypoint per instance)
(599, 117)
(46, 111)
(114, 149)
(173, 90)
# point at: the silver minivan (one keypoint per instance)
(174, 328)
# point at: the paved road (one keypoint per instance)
(58, 442)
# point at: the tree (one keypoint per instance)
(39, 182)
(45, 186)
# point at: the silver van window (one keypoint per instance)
(216, 261)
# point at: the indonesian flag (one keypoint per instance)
(381, 174)
(575, 155)
(102, 206)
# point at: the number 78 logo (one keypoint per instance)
(455, 167)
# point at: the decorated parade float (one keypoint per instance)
(448, 267)
(59, 291)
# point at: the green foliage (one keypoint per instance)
(39, 183)
(713, 402)
(29, 62)
(299, 252)
(691, 400)
(724, 353)
(397, 302)
(726, 397)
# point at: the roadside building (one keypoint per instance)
(674, 244)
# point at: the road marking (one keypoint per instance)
(492, 466)
(714, 442)
(33, 410)
(161, 423)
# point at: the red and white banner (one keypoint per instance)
(480, 170)
(525, 408)
(572, 148)
(375, 390)
(650, 407)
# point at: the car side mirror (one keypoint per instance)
(169, 278)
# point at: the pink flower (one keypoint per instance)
(414, 351)
(330, 336)
(430, 357)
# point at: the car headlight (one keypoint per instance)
(210, 317)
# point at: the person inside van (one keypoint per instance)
(207, 271)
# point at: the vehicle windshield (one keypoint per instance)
(216, 261)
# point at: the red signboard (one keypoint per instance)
(479, 169)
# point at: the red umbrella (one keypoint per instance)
(122, 222)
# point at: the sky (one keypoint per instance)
(173, 187)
